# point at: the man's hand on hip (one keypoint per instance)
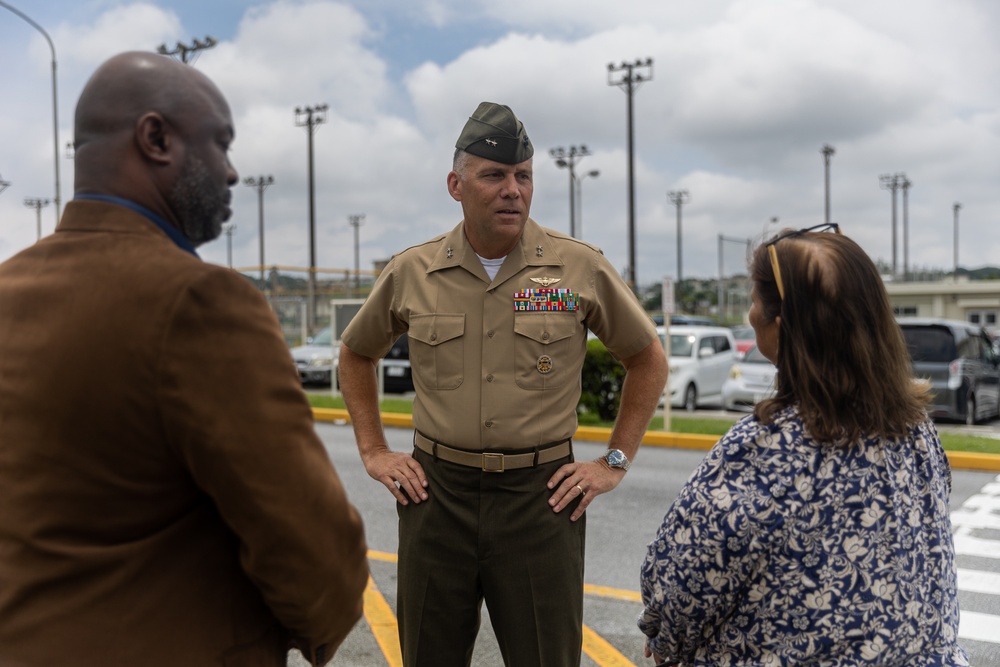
(399, 473)
(588, 479)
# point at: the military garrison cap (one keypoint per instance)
(495, 133)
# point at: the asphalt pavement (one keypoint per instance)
(620, 524)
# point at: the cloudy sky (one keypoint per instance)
(743, 96)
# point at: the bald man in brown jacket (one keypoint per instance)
(164, 499)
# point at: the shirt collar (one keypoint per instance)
(175, 234)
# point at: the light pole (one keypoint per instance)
(905, 185)
(185, 53)
(721, 295)
(229, 229)
(593, 173)
(955, 208)
(260, 184)
(4, 184)
(891, 182)
(568, 159)
(827, 152)
(630, 82)
(38, 205)
(356, 222)
(55, 106)
(309, 118)
(679, 198)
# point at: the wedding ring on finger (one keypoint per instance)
(582, 492)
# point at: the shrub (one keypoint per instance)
(602, 380)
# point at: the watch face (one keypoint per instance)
(616, 458)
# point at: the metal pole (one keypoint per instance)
(955, 208)
(906, 228)
(827, 151)
(629, 81)
(38, 205)
(356, 221)
(55, 105)
(721, 292)
(310, 117)
(679, 198)
(891, 183)
(260, 184)
(579, 196)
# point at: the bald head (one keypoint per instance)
(149, 129)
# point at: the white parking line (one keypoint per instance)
(979, 627)
(977, 581)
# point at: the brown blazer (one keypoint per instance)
(164, 499)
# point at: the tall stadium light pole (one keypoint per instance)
(229, 229)
(955, 208)
(55, 104)
(905, 185)
(260, 184)
(4, 184)
(356, 222)
(568, 159)
(593, 173)
(310, 118)
(187, 53)
(891, 182)
(827, 152)
(679, 198)
(38, 205)
(633, 75)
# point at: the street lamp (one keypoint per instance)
(955, 208)
(3, 184)
(55, 106)
(905, 185)
(593, 173)
(827, 151)
(630, 82)
(679, 198)
(38, 205)
(310, 118)
(568, 159)
(260, 184)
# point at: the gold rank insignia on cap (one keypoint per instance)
(544, 364)
(545, 282)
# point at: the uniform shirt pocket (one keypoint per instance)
(547, 349)
(437, 349)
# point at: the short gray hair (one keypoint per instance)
(460, 162)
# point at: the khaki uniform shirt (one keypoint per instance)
(490, 374)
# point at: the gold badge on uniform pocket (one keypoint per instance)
(544, 364)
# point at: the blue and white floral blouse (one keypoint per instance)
(780, 551)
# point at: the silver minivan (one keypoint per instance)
(960, 363)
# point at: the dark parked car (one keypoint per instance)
(396, 370)
(960, 364)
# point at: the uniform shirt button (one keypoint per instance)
(490, 334)
(434, 336)
(545, 336)
(489, 378)
(489, 424)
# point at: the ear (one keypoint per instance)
(455, 185)
(154, 138)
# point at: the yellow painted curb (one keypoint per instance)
(958, 460)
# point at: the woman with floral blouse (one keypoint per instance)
(816, 532)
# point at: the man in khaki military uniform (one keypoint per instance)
(497, 312)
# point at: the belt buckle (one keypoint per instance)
(492, 462)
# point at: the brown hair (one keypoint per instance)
(841, 356)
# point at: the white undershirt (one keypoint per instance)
(492, 266)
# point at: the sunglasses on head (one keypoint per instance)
(773, 254)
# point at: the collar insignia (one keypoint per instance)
(545, 282)
(450, 253)
(538, 251)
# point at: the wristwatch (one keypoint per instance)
(615, 458)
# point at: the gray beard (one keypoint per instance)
(199, 209)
